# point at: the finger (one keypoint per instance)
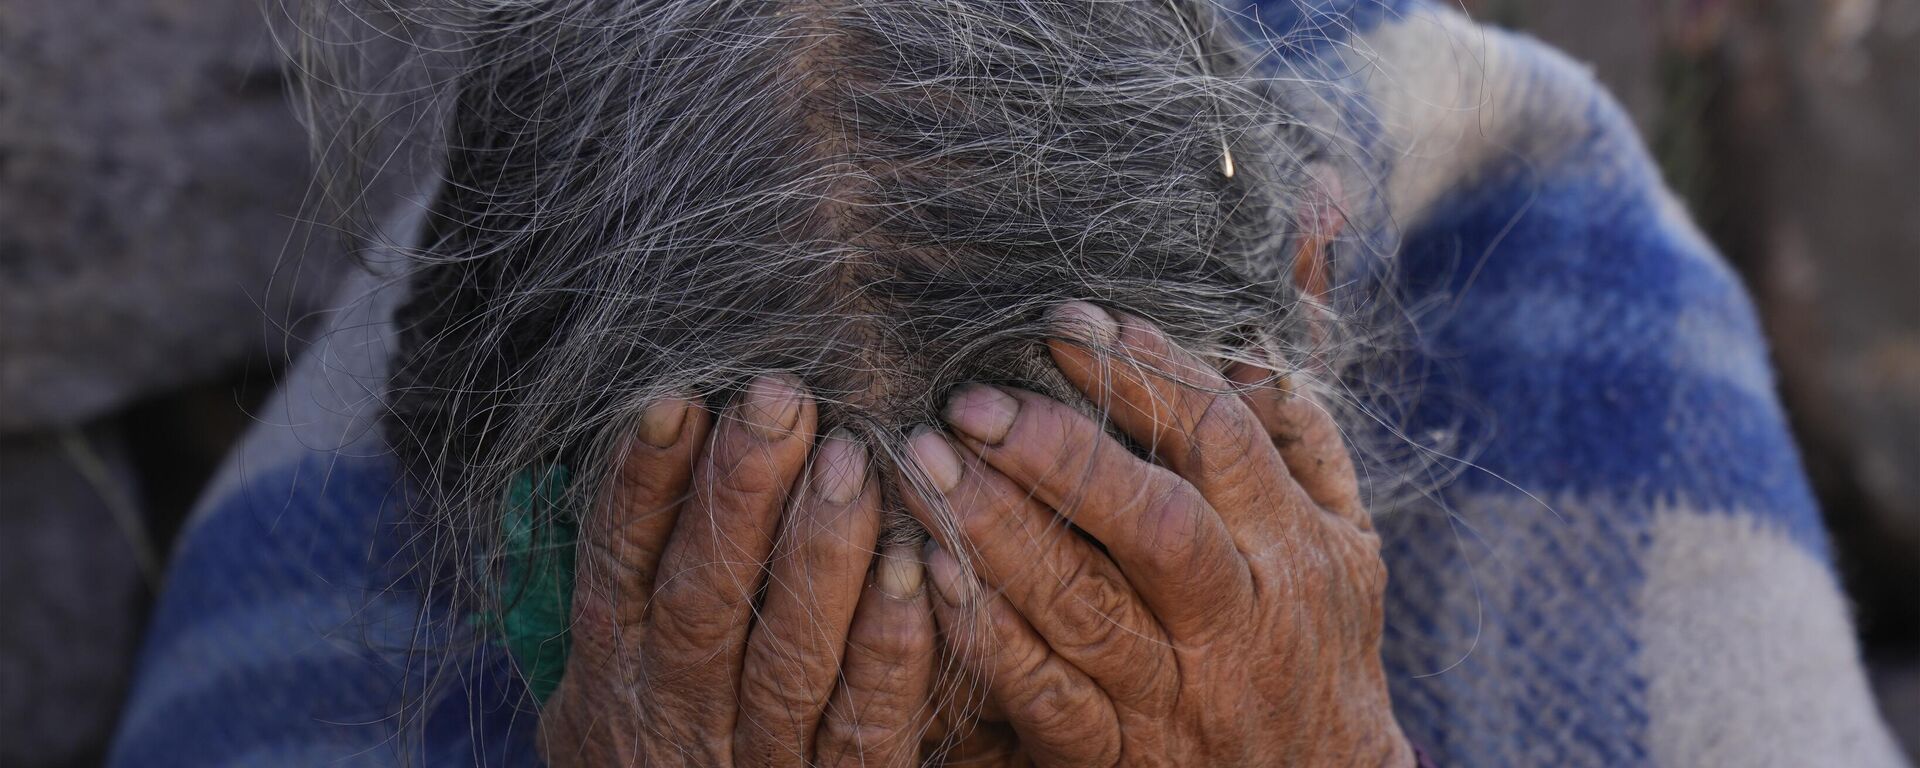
(1069, 592)
(883, 702)
(1062, 718)
(1176, 405)
(815, 579)
(1308, 439)
(621, 542)
(1174, 549)
(702, 602)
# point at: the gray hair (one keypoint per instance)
(882, 198)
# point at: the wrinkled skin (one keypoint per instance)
(673, 665)
(1220, 605)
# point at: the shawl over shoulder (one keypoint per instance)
(1632, 572)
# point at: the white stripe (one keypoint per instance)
(1748, 654)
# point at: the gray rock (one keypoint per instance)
(151, 172)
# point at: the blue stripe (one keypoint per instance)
(319, 522)
(1593, 350)
(286, 627)
(1308, 28)
(356, 711)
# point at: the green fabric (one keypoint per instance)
(537, 585)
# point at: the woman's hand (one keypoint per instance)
(1233, 616)
(671, 662)
(1222, 606)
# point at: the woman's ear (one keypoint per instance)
(1320, 219)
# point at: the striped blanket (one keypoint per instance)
(1629, 569)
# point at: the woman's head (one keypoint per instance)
(881, 198)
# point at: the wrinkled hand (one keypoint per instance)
(671, 663)
(1220, 606)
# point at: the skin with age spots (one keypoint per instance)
(1220, 604)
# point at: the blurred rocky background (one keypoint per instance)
(1792, 128)
(153, 275)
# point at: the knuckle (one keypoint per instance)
(879, 705)
(892, 641)
(1088, 607)
(1222, 434)
(1221, 413)
(1169, 515)
(852, 736)
(1054, 705)
(1170, 522)
(882, 696)
(609, 542)
(780, 685)
(802, 648)
(1065, 713)
(617, 558)
(687, 613)
(1018, 657)
(1098, 620)
(1153, 487)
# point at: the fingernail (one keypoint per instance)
(840, 468)
(983, 413)
(661, 421)
(1086, 322)
(771, 406)
(935, 458)
(900, 571)
(953, 586)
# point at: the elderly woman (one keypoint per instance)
(1296, 384)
